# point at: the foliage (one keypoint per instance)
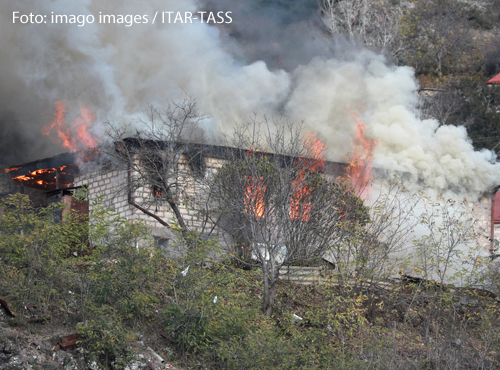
(449, 249)
(188, 296)
(104, 338)
(437, 36)
(375, 23)
(208, 310)
(92, 271)
(32, 248)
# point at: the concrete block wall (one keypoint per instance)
(112, 183)
(481, 212)
(109, 183)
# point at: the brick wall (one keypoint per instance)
(481, 212)
(113, 185)
(109, 183)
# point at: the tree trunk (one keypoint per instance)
(272, 296)
(269, 276)
(265, 298)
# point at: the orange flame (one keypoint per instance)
(46, 177)
(7, 170)
(34, 174)
(254, 196)
(300, 203)
(360, 164)
(76, 137)
(317, 148)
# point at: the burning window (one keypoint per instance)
(300, 203)
(155, 172)
(301, 200)
(157, 191)
(49, 174)
(255, 190)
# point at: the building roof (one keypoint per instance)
(495, 80)
(59, 171)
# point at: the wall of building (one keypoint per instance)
(481, 212)
(112, 185)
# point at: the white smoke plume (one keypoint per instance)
(272, 59)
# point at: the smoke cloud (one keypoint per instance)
(274, 58)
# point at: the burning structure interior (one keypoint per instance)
(56, 178)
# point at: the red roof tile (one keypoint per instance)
(495, 80)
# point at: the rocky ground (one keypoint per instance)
(35, 346)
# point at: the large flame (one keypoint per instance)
(47, 178)
(316, 148)
(300, 203)
(75, 137)
(360, 164)
(254, 196)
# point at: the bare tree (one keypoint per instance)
(440, 104)
(376, 23)
(157, 157)
(373, 252)
(278, 202)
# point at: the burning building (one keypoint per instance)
(144, 182)
(183, 190)
(164, 183)
(359, 103)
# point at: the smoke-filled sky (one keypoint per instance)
(274, 58)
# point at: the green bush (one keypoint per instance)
(104, 338)
(33, 250)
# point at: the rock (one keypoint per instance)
(14, 363)
(70, 363)
(7, 347)
(132, 365)
(93, 365)
(7, 352)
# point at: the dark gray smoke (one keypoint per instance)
(275, 58)
(283, 34)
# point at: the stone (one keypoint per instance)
(70, 363)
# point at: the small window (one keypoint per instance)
(255, 191)
(157, 191)
(155, 168)
(161, 243)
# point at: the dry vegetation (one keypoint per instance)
(209, 316)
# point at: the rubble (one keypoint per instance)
(70, 363)
(156, 355)
(22, 349)
(7, 352)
